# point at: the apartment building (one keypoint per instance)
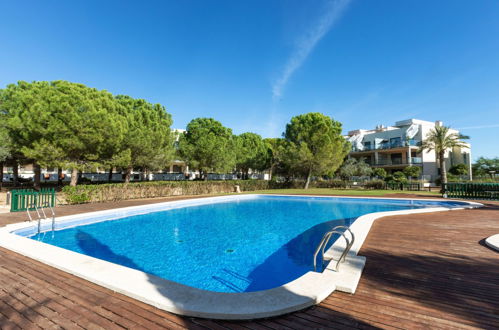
(396, 147)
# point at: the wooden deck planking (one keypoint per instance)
(422, 270)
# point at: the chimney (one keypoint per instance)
(439, 123)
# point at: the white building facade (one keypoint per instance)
(396, 147)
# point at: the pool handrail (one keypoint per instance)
(341, 230)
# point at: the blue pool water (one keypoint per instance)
(232, 246)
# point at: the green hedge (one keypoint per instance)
(119, 191)
(97, 193)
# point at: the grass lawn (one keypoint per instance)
(350, 192)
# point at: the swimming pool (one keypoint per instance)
(238, 245)
(244, 244)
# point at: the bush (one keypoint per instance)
(375, 184)
(412, 171)
(399, 177)
(379, 172)
(75, 196)
(121, 191)
(458, 170)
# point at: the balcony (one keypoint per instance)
(398, 162)
(388, 145)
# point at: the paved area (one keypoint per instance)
(423, 271)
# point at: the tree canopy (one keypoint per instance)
(208, 146)
(353, 167)
(379, 172)
(4, 142)
(69, 125)
(73, 126)
(62, 123)
(486, 166)
(148, 139)
(316, 143)
(251, 152)
(412, 171)
(459, 169)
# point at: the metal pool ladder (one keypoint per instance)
(340, 230)
(39, 215)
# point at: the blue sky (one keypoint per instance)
(255, 64)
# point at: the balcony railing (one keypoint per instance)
(390, 162)
(388, 145)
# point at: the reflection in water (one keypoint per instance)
(94, 248)
(291, 261)
(302, 247)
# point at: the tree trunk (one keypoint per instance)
(74, 177)
(1, 174)
(38, 172)
(443, 170)
(128, 174)
(110, 176)
(59, 176)
(309, 175)
(15, 173)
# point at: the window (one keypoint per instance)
(367, 145)
(396, 159)
(395, 142)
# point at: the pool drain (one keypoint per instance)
(229, 251)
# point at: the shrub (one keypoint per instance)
(399, 177)
(412, 171)
(389, 178)
(375, 184)
(75, 196)
(379, 172)
(121, 191)
(459, 169)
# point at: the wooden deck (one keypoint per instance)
(423, 271)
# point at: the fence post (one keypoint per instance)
(53, 197)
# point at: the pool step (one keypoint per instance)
(348, 276)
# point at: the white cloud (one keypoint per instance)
(479, 127)
(305, 46)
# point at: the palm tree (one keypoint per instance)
(441, 140)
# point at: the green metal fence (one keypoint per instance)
(22, 199)
(403, 186)
(472, 190)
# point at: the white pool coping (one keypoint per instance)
(305, 291)
(493, 242)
